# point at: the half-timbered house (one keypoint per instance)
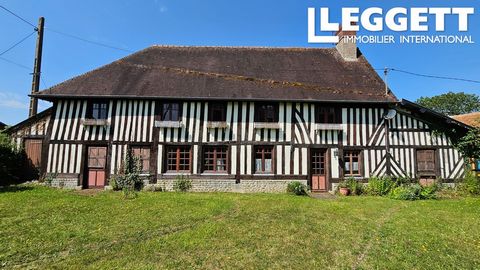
(238, 119)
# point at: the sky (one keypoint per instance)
(134, 25)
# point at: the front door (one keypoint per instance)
(319, 170)
(97, 157)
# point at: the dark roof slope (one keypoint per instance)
(241, 73)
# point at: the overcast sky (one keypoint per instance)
(134, 25)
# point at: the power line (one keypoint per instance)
(15, 63)
(428, 76)
(88, 41)
(18, 43)
(18, 16)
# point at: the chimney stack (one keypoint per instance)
(347, 45)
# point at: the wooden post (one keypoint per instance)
(37, 66)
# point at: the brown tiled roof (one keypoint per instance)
(241, 73)
(471, 119)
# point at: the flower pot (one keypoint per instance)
(345, 191)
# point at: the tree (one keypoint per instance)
(452, 103)
(469, 145)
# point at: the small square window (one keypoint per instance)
(98, 110)
(266, 112)
(325, 115)
(217, 112)
(170, 111)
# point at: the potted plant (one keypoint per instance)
(343, 188)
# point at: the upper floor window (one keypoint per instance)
(217, 112)
(266, 112)
(352, 163)
(325, 115)
(143, 154)
(170, 111)
(98, 110)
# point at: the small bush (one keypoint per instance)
(128, 179)
(406, 193)
(355, 186)
(470, 185)
(297, 188)
(182, 183)
(379, 186)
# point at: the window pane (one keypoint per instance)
(258, 165)
(268, 165)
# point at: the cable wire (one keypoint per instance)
(15, 63)
(11, 12)
(18, 43)
(428, 76)
(88, 41)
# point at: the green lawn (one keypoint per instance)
(48, 228)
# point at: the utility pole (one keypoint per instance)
(37, 66)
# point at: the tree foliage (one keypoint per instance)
(452, 103)
(15, 167)
(469, 145)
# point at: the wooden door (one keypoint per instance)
(318, 170)
(97, 159)
(33, 149)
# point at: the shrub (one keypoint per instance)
(379, 186)
(355, 186)
(470, 185)
(182, 183)
(297, 188)
(128, 179)
(407, 193)
(414, 192)
(15, 167)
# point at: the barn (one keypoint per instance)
(239, 119)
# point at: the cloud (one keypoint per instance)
(12, 101)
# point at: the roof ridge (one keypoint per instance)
(239, 47)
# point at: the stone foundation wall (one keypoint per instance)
(230, 185)
(66, 183)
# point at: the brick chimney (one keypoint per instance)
(347, 46)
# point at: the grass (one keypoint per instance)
(47, 228)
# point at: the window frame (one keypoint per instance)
(219, 107)
(326, 112)
(216, 154)
(91, 109)
(178, 158)
(261, 112)
(349, 153)
(272, 153)
(163, 116)
(144, 147)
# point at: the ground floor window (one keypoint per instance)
(264, 159)
(143, 154)
(179, 158)
(352, 163)
(426, 162)
(215, 159)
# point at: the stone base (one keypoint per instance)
(230, 185)
(66, 183)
